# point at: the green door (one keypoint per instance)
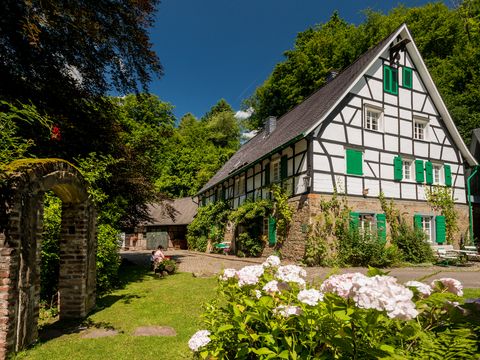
(272, 231)
(156, 237)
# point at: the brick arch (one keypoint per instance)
(21, 211)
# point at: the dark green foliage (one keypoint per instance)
(412, 244)
(197, 150)
(50, 248)
(448, 39)
(359, 248)
(248, 219)
(209, 217)
(108, 258)
(250, 245)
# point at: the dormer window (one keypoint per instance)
(420, 129)
(373, 118)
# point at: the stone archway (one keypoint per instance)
(21, 226)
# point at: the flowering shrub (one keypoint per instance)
(270, 312)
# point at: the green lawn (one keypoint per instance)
(145, 300)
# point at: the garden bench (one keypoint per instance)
(445, 253)
(225, 246)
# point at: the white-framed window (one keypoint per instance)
(437, 174)
(240, 185)
(366, 222)
(420, 129)
(407, 169)
(276, 170)
(426, 223)
(373, 118)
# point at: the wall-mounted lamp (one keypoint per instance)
(306, 182)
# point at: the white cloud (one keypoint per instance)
(242, 115)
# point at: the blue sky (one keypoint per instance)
(213, 49)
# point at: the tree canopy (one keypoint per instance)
(448, 39)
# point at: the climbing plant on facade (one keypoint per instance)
(441, 199)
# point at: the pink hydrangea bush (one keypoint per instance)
(269, 311)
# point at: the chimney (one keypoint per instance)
(331, 75)
(270, 125)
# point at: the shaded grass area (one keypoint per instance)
(144, 300)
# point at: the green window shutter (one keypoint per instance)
(382, 228)
(448, 175)
(398, 168)
(354, 162)
(390, 80)
(428, 172)
(223, 193)
(272, 230)
(283, 167)
(387, 78)
(419, 173)
(354, 220)
(407, 77)
(417, 221)
(394, 82)
(440, 229)
(267, 174)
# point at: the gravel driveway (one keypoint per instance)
(202, 264)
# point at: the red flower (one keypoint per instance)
(55, 134)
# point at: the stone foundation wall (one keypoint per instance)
(307, 207)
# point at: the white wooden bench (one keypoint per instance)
(445, 253)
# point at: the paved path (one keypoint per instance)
(202, 264)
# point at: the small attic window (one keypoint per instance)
(390, 80)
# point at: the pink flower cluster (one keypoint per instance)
(199, 339)
(451, 285)
(249, 275)
(423, 289)
(274, 286)
(271, 261)
(287, 310)
(381, 293)
(310, 297)
(291, 274)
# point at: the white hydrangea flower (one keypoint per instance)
(287, 310)
(228, 274)
(249, 275)
(199, 339)
(271, 261)
(292, 273)
(342, 284)
(422, 288)
(381, 293)
(452, 285)
(310, 297)
(258, 294)
(274, 286)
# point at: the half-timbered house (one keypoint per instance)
(380, 125)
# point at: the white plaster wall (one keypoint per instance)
(391, 189)
(322, 182)
(354, 185)
(320, 162)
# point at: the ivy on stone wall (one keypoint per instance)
(440, 198)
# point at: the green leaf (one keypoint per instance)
(341, 315)
(224, 328)
(387, 348)
(262, 351)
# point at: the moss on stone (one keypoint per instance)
(29, 163)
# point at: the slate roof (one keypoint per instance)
(301, 118)
(178, 212)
